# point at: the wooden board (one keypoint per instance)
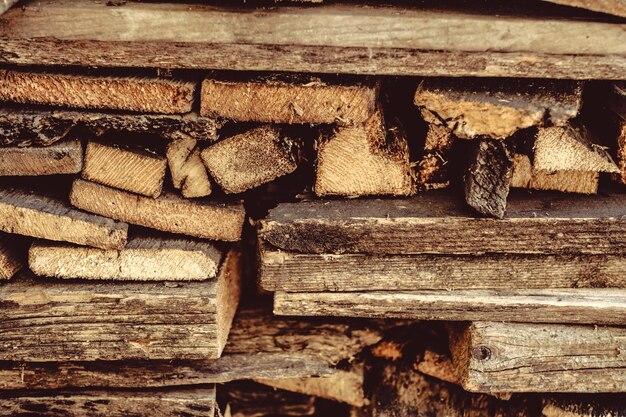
(28, 213)
(55, 321)
(369, 159)
(189, 174)
(431, 171)
(325, 39)
(190, 402)
(27, 126)
(11, 256)
(516, 357)
(252, 158)
(168, 213)
(133, 94)
(615, 7)
(145, 258)
(136, 170)
(525, 176)
(275, 101)
(302, 272)
(60, 158)
(436, 222)
(595, 306)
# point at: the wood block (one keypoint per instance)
(168, 213)
(199, 402)
(255, 157)
(363, 160)
(189, 174)
(593, 306)
(615, 7)
(55, 321)
(38, 215)
(518, 357)
(431, 171)
(596, 405)
(59, 158)
(303, 272)
(436, 222)
(136, 170)
(496, 108)
(11, 258)
(145, 258)
(132, 94)
(274, 101)
(525, 176)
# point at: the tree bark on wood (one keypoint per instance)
(60, 158)
(431, 172)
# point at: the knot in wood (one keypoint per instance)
(481, 353)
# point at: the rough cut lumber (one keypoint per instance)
(249, 399)
(11, 258)
(252, 158)
(168, 213)
(48, 321)
(615, 7)
(488, 178)
(496, 108)
(275, 101)
(517, 357)
(145, 257)
(326, 38)
(199, 402)
(595, 306)
(25, 212)
(431, 172)
(302, 272)
(436, 222)
(584, 406)
(136, 170)
(188, 172)
(60, 158)
(370, 159)
(27, 126)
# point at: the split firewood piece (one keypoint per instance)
(255, 157)
(198, 402)
(496, 108)
(136, 170)
(60, 158)
(592, 405)
(189, 174)
(145, 257)
(431, 172)
(119, 93)
(11, 258)
(250, 399)
(88, 321)
(520, 357)
(38, 215)
(488, 178)
(168, 213)
(364, 160)
(274, 101)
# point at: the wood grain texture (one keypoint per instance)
(431, 171)
(28, 213)
(621, 151)
(252, 158)
(615, 7)
(168, 213)
(133, 94)
(60, 158)
(274, 101)
(55, 321)
(136, 170)
(11, 256)
(189, 174)
(369, 159)
(517, 357)
(595, 306)
(525, 176)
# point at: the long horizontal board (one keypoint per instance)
(438, 222)
(589, 306)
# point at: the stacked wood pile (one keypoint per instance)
(424, 218)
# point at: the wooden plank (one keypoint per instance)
(435, 222)
(595, 306)
(198, 402)
(60, 158)
(615, 7)
(276, 101)
(131, 169)
(517, 357)
(168, 213)
(251, 158)
(431, 171)
(48, 321)
(189, 174)
(27, 126)
(369, 159)
(28, 213)
(302, 272)
(496, 109)
(583, 406)
(11, 256)
(320, 39)
(145, 258)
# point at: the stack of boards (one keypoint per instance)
(181, 239)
